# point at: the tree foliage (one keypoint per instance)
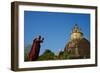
(47, 55)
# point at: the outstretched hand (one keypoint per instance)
(42, 39)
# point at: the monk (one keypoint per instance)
(35, 49)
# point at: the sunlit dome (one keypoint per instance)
(77, 46)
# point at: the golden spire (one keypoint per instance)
(76, 33)
(76, 28)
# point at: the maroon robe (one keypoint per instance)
(34, 52)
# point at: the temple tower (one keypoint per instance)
(78, 46)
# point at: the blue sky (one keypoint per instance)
(54, 27)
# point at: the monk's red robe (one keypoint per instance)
(34, 53)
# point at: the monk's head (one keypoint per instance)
(39, 37)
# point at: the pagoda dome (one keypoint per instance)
(78, 46)
(83, 48)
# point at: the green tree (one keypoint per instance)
(47, 55)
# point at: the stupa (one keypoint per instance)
(78, 46)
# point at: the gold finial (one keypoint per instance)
(76, 28)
